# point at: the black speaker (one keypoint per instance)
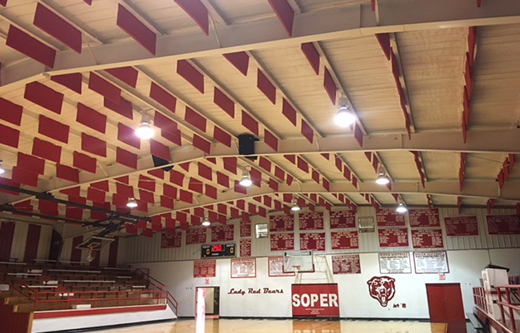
(246, 146)
(157, 162)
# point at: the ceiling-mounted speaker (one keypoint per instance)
(246, 146)
(157, 162)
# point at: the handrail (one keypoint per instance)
(13, 282)
(505, 290)
(152, 280)
(160, 286)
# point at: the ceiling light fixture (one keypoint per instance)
(131, 203)
(2, 170)
(145, 131)
(295, 206)
(345, 116)
(246, 180)
(206, 222)
(382, 179)
(401, 208)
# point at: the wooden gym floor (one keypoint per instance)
(285, 326)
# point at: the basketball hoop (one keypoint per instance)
(296, 269)
(91, 254)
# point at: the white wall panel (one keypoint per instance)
(142, 249)
(465, 268)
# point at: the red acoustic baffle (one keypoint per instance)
(53, 129)
(195, 119)
(266, 87)
(73, 81)
(93, 145)
(46, 150)
(197, 11)
(58, 28)
(240, 60)
(124, 107)
(285, 14)
(91, 118)
(44, 96)
(10, 112)
(289, 112)
(127, 135)
(67, 173)
(224, 102)
(126, 75)
(126, 158)
(136, 29)
(221, 136)
(163, 97)
(202, 144)
(190, 73)
(30, 46)
(270, 140)
(31, 163)
(104, 88)
(312, 56)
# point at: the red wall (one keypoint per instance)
(13, 322)
(6, 240)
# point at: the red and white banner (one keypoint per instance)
(424, 218)
(346, 264)
(196, 236)
(344, 240)
(171, 238)
(204, 268)
(396, 237)
(222, 233)
(245, 247)
(311, 221)
(312, 241)
(503, 224)
(389, 218)
(342, 219)
(281, 223)
(461, 226)
(315, 300)
(282, 242)
(427, 239)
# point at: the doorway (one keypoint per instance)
(211, 301)
(446, 306)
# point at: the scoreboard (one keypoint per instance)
(218, 250)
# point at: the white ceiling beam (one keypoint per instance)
(478, 142)
(476, 189)
(492, 141)
(395, 16)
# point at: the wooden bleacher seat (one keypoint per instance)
(74, 284)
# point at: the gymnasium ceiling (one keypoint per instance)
(255, 72)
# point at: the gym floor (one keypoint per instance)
(285, 326)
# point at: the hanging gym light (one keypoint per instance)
(131, 203)
(345, 116)
(145, 131)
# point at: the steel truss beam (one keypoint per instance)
(394, 16)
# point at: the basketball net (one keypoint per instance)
(91, 254)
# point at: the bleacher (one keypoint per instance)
(45, 286)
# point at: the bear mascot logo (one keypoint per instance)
(381, 288)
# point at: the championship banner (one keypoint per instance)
(315, 300)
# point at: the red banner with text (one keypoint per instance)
(315, 300)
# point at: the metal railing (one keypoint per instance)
(508, 309)
(479, 297)
(158, 285)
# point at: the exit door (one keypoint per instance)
(211, 301)
(446, 306)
